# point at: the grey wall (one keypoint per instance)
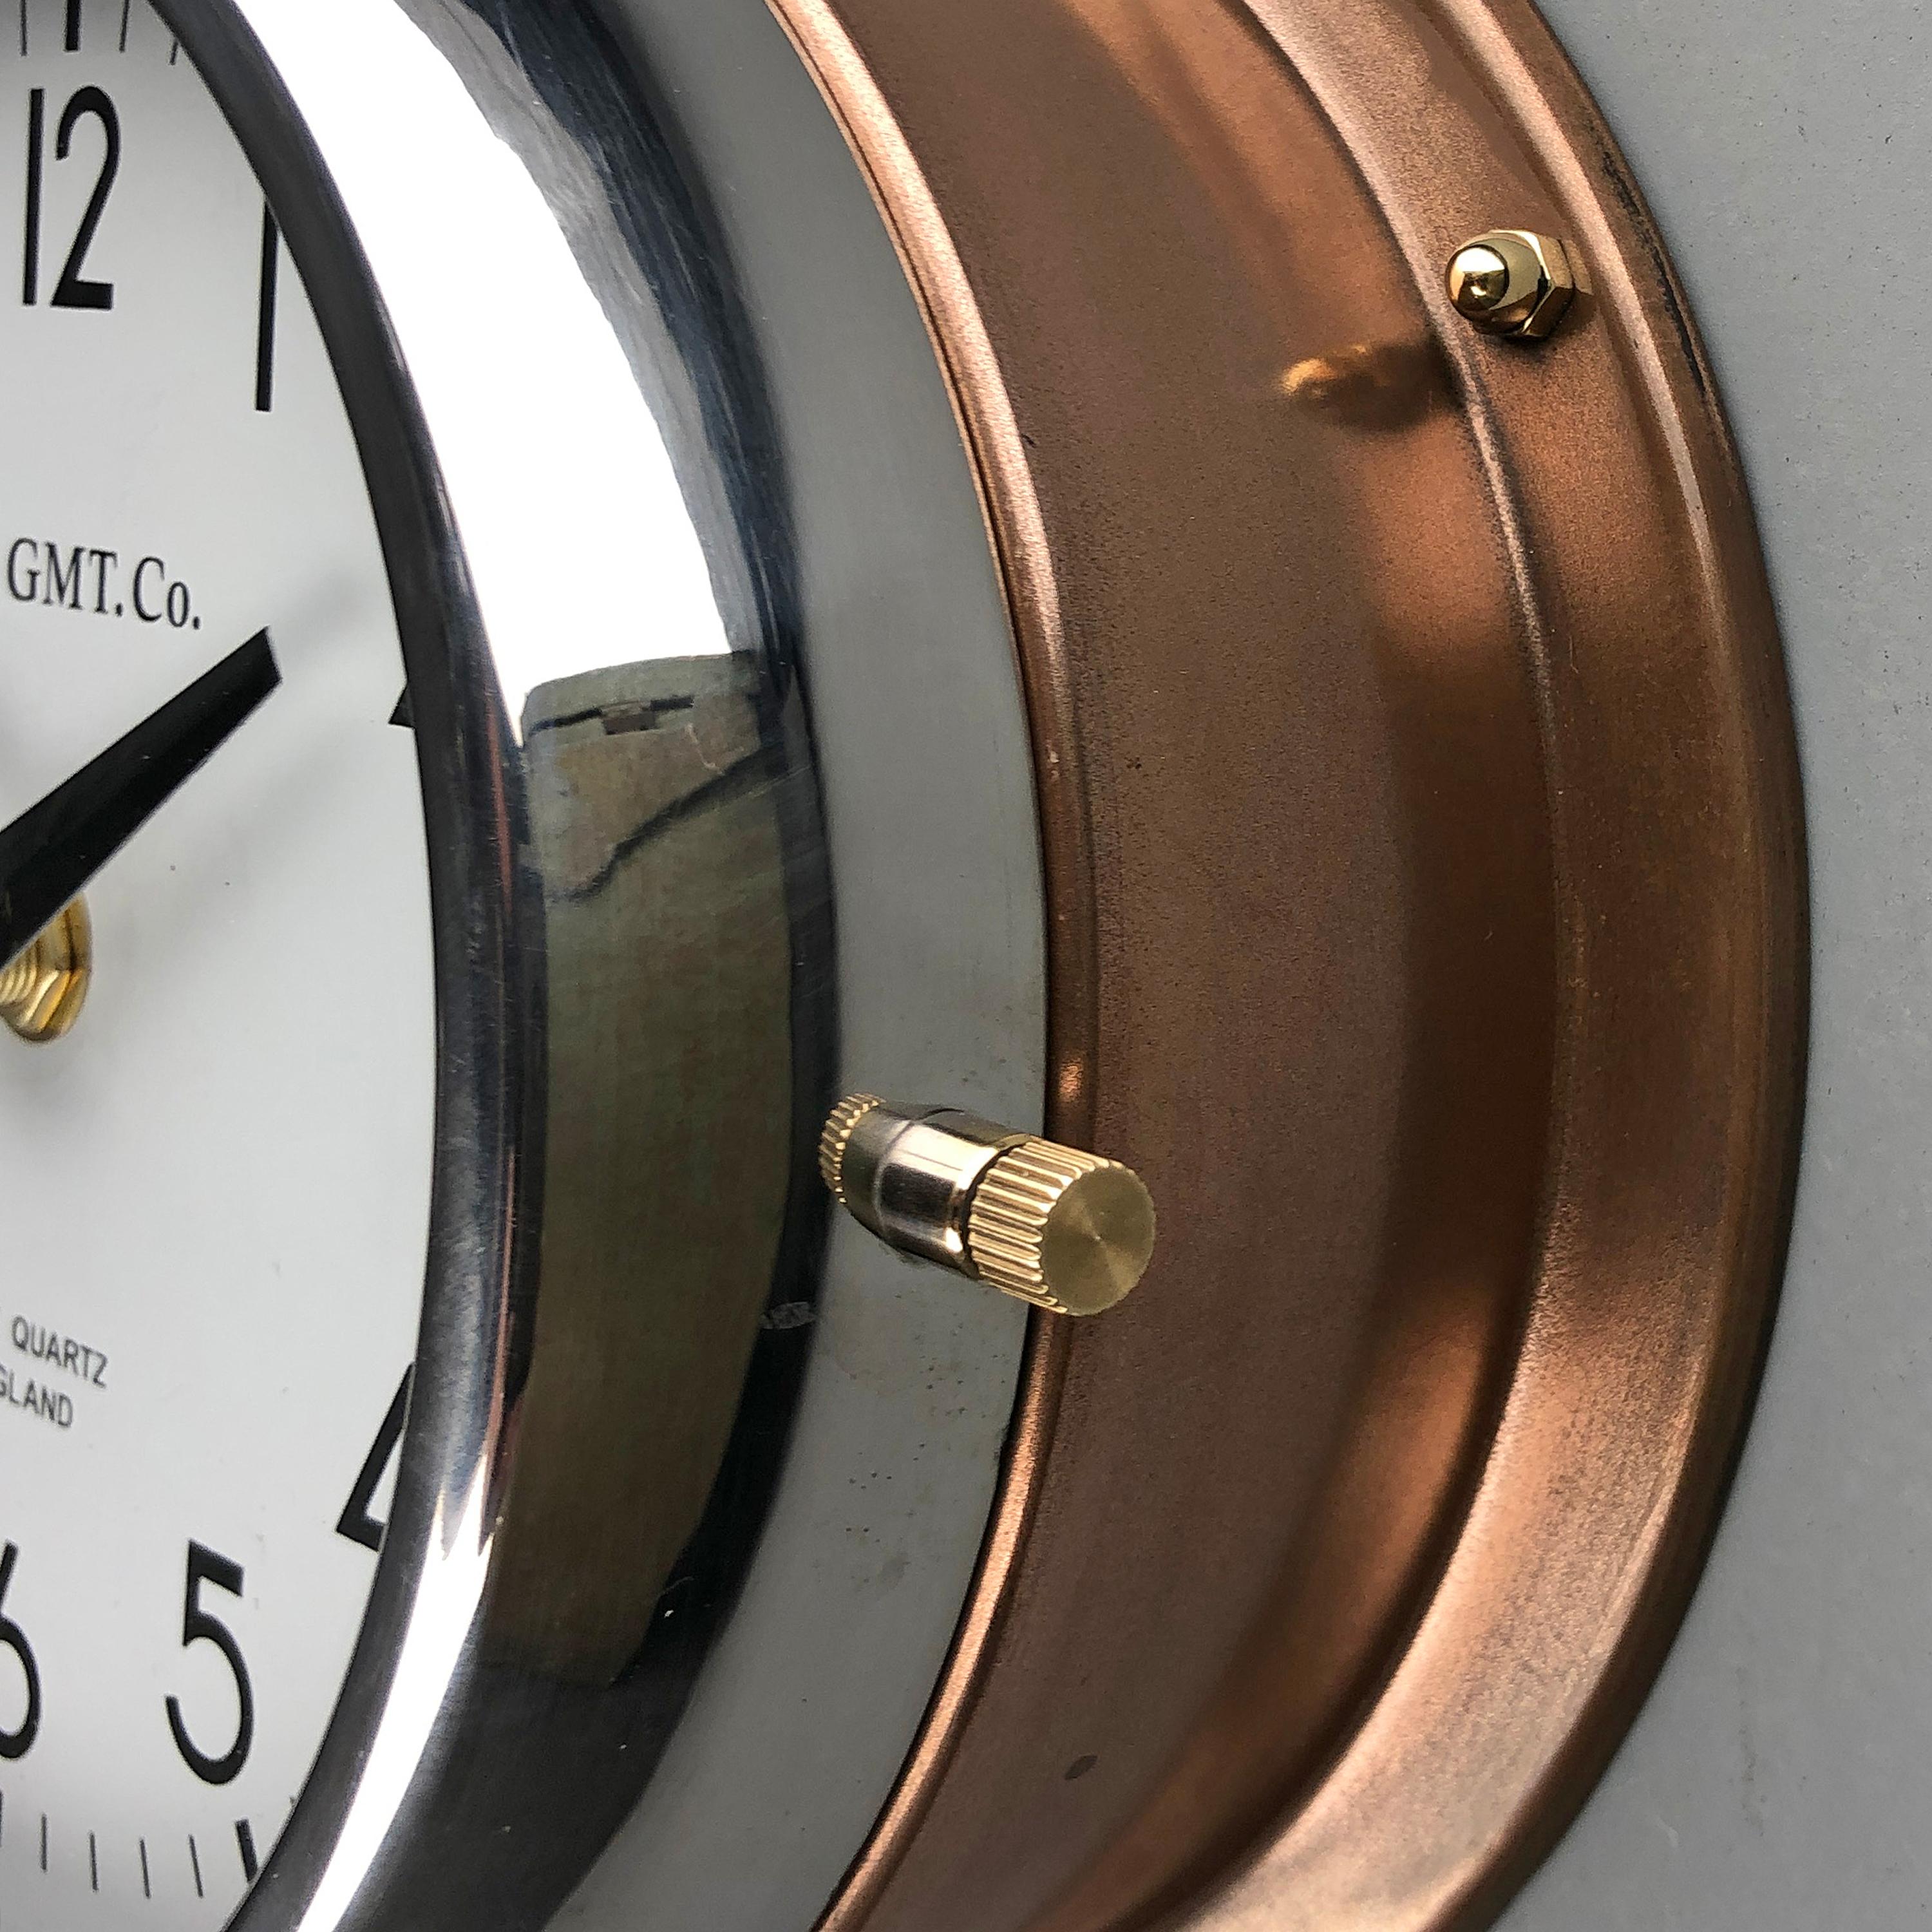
(1779, 1780)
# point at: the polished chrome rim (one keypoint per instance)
(641, 1397)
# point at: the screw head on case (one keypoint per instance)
(1512, 282)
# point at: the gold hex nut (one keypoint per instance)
(42, 991)
(1512, 282)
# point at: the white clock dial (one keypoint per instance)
(216, 1186)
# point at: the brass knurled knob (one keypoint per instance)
(838, 1135)
(1065, 1230)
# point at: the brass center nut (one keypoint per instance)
(42, 991)
(1513, 282)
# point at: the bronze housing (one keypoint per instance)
(1422, 827)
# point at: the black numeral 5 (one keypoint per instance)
(199, 1626)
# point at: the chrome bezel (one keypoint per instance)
(502, 1782)
(525, 1775)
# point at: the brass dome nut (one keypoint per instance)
(43, 989)
(1512, 282)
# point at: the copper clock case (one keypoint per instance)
(1422, 822)
(1424, 886)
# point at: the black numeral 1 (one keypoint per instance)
(264, 327)
(36, 149)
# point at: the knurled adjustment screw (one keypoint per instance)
(1062, 1229)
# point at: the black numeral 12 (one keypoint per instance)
(73, 290)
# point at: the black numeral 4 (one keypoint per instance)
(357, 1524)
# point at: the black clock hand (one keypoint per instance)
(48, 853)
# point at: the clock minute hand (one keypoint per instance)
(50, 852)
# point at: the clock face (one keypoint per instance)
(217, 1185)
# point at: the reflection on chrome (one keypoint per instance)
(448, 1599)
(657, 815)
(554, 466)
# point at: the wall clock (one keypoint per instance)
(1091, 631)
